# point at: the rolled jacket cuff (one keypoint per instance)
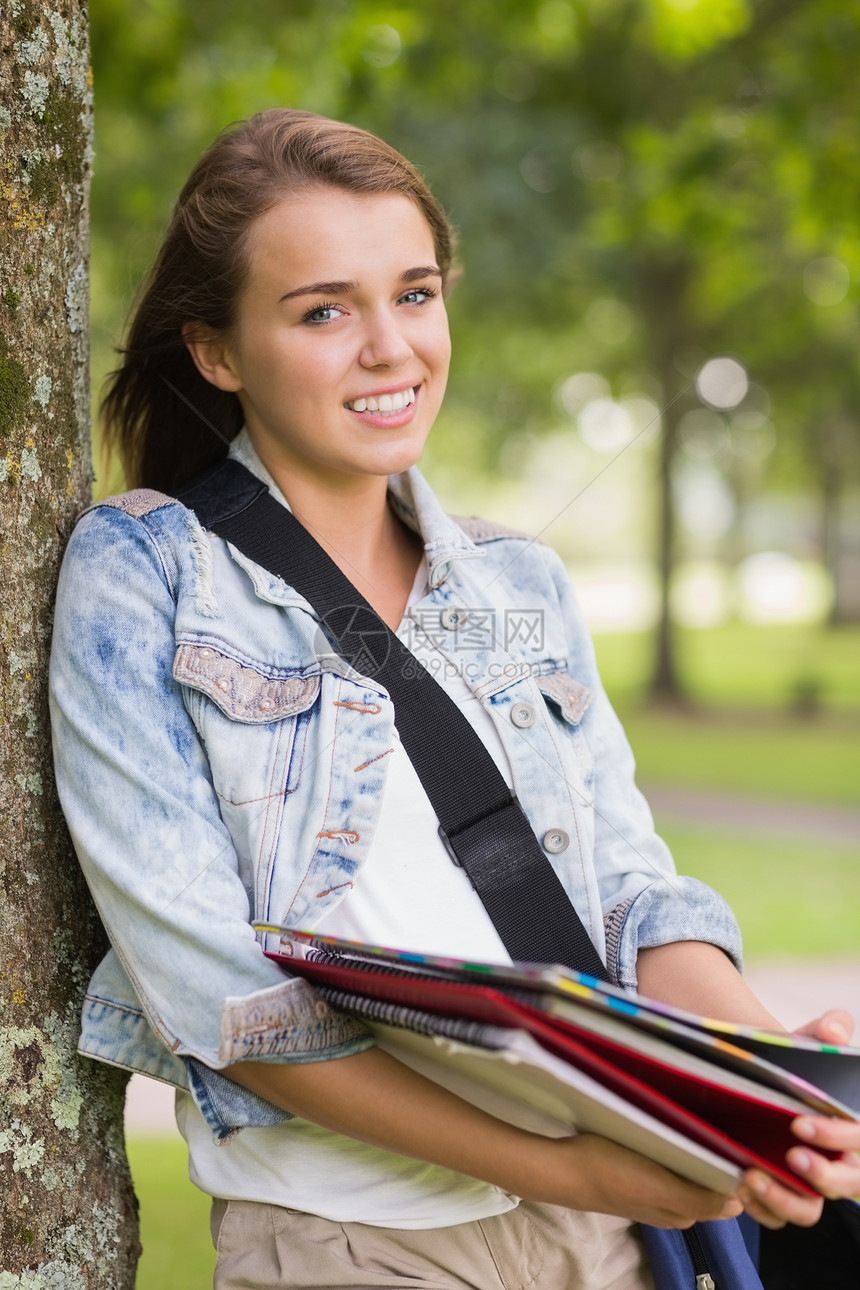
(669, 910)
(287, 1022)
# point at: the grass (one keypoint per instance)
(743, 730)
(174, 1217)
(790, 897)
(748, 754)
(743, 667)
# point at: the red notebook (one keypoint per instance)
(730, 1115)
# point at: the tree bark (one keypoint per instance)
(68, 1217)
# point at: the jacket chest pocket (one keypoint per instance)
(252, 720)
(569, 700)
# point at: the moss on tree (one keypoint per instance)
(14, 390)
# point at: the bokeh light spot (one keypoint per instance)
(382, 45)
(826, 280)
(722, 383)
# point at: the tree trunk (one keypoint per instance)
(662, 290)
(68, 1217)
(665, 679)
(836, 442)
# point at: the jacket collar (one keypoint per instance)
(413, 500)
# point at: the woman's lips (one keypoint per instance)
(386, 404)
(386, 410)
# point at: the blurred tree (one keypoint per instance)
(68, 1214)
(638, 183)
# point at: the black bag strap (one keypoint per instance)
(481, 823)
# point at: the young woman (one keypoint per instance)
(217, 767)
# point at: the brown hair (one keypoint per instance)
(166, 420)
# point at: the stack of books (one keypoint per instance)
(555, 1052)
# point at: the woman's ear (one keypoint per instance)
(212, 356)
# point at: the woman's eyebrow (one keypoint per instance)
(322, 289)
(343, 288)
(423, 271)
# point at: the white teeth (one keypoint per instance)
(386, 403)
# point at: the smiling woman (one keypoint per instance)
(223, 760)
(339, 381)
(231, 213)
(339, 378)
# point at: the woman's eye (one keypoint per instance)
(418, 296)
(321, 314)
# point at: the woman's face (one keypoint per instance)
(340, 352)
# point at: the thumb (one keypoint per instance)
(835, 1026)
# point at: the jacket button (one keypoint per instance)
(223, 684)
(451, 619)
(205, 652)
(523, 715)
(556, 841)
(267, 704)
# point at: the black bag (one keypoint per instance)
(827, 1255)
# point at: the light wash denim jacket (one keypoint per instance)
(217, 765)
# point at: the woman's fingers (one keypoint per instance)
(833, 1027)
(828, 1131)
(833, 1178)
(773, 1205)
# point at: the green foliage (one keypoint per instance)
(685, 160)
(638, 185)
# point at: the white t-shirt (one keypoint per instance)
(298, 1164)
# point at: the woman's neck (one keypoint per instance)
(351, 520)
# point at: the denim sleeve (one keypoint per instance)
(135, 788)
(645, 902)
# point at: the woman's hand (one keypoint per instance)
(591, 1173)
(774, 1205)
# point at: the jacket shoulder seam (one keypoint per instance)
(480, 530)
(137, 503)
(141, 505)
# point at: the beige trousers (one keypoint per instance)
(532, 1247)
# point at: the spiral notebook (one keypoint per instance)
(554, 1051)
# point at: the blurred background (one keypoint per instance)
(656, 369)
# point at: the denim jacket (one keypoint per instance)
(218, 765)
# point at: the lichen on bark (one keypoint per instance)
(68, 1217)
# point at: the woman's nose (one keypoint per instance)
(384, 343)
